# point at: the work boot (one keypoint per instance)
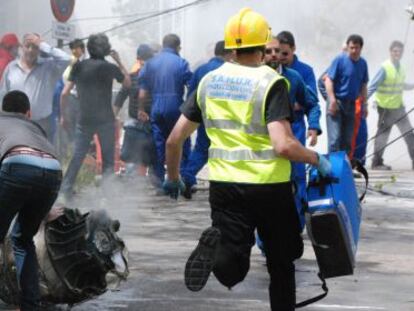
(188, 192)
(381, 167)
(201, 261)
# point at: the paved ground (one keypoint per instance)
(161, 233)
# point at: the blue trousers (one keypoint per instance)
(83, 138)
(28, 191)
(198, 157)
(341, 127)
(163, 121)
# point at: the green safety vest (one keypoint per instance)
(232, 102)
(389, 94)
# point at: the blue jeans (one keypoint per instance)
(83, 138)
(138, 147)
(341, 127)
(28, 191)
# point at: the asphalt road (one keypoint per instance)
(161, 233)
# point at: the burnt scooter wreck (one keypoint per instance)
(79, 256)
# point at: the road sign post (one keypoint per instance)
(62, 10)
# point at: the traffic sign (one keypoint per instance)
(62, 9)
(63, 31)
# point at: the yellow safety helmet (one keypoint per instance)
(246, 29)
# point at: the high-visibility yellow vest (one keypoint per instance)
(389, 94)
(232, 100)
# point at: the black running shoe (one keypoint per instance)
(201, 261)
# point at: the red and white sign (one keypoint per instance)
(62, 9)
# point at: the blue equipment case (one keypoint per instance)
(334, 215)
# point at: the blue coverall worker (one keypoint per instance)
(199, 155)
(164, 78)
(304, 102)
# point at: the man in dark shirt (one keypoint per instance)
(30, 178)
(93, 78)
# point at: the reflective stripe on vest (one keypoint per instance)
(241, 155)
(389, 94)
(232, 101)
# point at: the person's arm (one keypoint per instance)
(58, 55)
(378, 79)
(64, 99)
(120, 100)
(143, 93)
(330, 91)
(174, 146)
(278, 113)
(4, 84)
(142, 99)
(408, 86)
(322, 87)
(287, 146)
(126, 81)
(331, 75)
(187, 74)
(313, 115)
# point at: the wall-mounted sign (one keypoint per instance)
(63, 31)
(62, 9)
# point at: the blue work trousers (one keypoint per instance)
(163, 120)
(83, 137)
(340, 127)
(29, 192)
(198, 157)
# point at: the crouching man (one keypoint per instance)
(30, 177)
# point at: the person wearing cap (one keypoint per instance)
(138, 145)
(35, 73)
(9, 47)
(30, 177)
(245, 109)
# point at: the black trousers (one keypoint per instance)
(237, 210)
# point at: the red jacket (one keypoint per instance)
(5, 59)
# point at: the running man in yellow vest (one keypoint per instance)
(245, 109)
(388, 86)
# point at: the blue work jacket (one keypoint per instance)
(201, 71)
(306, 72)
(308, 101)
(165, 76)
